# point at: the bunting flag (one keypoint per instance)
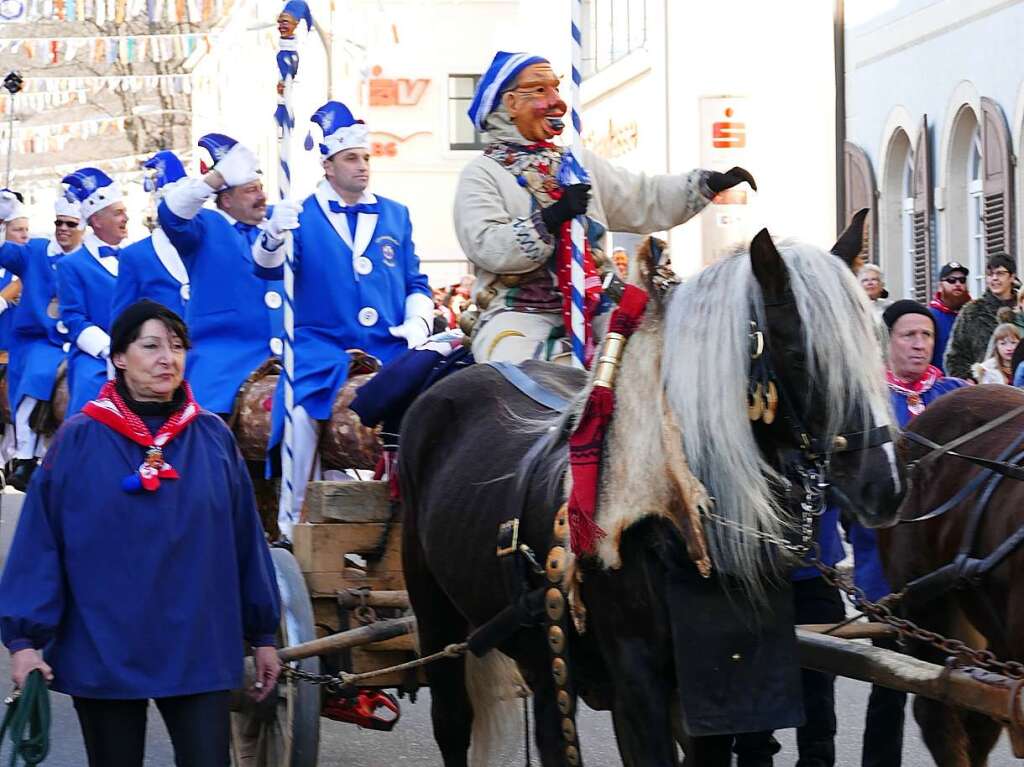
(118, 11)
(126, 49)
(40, 93)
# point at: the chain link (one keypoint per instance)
(335, 683)
(807, 550)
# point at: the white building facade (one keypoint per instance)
(934, 115)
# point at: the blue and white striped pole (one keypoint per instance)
(284, 116)
(578, 275)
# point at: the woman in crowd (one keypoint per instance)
(997, 365)
(139, 567)
(873, 282)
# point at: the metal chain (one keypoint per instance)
(336, 682)
(807, 550)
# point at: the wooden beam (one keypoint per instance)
(859, 630)
(375, 632)
(396, 599)
(973, 689)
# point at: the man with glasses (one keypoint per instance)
(973, 327)
(946, 304)
(38, 344)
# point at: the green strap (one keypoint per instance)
(28, 719)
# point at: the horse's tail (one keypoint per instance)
(494, 686)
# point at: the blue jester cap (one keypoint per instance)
(340, 128)
(502, 73)
(167, 169)
(299, 10)
(92, 189)
(218, 145)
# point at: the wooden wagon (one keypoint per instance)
(345, 609)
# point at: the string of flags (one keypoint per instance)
(43, 92)
(126, 49)
(115, 11)
(54, 137)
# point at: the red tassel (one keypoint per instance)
(585, 448)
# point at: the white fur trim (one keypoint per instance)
(94, 341)
(102, 198)
(17, 211)
(265, 256)
(352, 137)
(186, 198)
(64, 207)
(168, 256)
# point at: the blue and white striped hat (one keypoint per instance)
(340, 128)
(499, 75)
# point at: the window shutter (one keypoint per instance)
(922, 216)
(996, 179)
(859, 187)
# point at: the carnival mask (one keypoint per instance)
(534, 104)
(286, 25)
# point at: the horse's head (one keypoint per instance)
(816, 367)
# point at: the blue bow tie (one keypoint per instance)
(107, 250)
(359, 207)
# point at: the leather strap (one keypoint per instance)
(531, 388)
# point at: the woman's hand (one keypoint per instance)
(24, 662)
(268, 668)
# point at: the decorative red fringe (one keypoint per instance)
(586, 444)
(591, 283)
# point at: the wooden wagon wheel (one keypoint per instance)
(284, 731)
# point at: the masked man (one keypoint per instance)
(514, 201)
(357, 282)
(37, 340)
(85, 283)
(151, 268)
(235, 318)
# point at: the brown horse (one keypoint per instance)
(986, 611)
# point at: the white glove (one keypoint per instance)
(238, 166)
(419, 320)
(8, 204)
(4, 305)
(284, 218)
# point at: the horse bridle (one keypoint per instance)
(811, 463)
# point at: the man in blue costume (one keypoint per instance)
(38, 337)
(85, 282)
(914, 383)
(234, 317)
(151, 268)
(357, 283)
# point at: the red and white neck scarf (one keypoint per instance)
(110, 409)
(914, 389)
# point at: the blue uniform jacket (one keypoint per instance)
(36, 347)
(345, 299)
(151, 268)
(141, 595)
(867, 563)
(235, 319)
(944, 321)
(85, 288)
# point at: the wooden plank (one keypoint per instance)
(375, 598)
(976, 690)
(398, 644)
(357, 501)
(329, 584)
(322, 548)
(859, 630)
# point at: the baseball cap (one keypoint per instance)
(953, 266)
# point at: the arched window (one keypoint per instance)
(976, 215)
(906, 219)
(896, 223)
(963, 192)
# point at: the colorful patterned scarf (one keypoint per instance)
(913, 390)
(110, 409)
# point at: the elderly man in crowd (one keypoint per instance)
(973, 328)
(946, 304)
(514, 202)
(914, 383)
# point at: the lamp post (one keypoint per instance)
(13, 84)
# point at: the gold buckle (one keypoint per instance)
(513, 525)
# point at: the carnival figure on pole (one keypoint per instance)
(515, 202)
(358, 283)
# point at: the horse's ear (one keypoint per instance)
(850, 242)
(769, 269)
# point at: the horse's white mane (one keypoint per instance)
(705, 364)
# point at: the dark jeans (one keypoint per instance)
(115, 730)
(883, 725)
(814, 601)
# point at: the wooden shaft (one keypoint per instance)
(396, 599)
(375, 632)
(984, 692)
(852, 630)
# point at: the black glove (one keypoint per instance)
(573, 202)
(719, 182)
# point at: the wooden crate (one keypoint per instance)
(349, 518)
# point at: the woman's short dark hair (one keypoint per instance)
(128, 326)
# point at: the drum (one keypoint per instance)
(344, 442)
